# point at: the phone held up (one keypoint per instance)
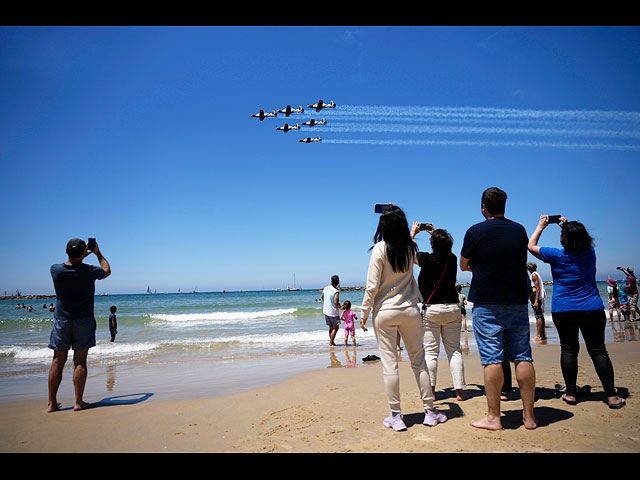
(554, 218)
(91, 245)
(426, 227)
(381, 207)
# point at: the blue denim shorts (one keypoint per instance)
(502, 330)
(79, 334)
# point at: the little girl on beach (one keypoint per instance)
(349, 328)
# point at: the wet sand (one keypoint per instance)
(340, 410)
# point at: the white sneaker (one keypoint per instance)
(395, 422)
(434, 417)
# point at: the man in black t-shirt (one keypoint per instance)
(74, 325)
(495, 251)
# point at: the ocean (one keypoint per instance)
(242, 339)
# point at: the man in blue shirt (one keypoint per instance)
(74, 325)
(495, 251)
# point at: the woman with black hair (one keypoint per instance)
(576, 305)
(441, 315)
(391, 298)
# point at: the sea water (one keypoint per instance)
(284, 330)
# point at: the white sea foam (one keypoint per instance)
(221, 317)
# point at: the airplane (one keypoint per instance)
(286, 127)
(288, 111)
(309, 140)
(262, 115)
(319, 106)
(312, 122)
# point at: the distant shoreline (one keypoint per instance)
(342, 289)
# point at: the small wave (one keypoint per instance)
(222, 316)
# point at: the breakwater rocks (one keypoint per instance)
(26, 297)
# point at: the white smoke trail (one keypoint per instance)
(480, 126)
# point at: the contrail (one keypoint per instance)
(482, 126)
(480, 143)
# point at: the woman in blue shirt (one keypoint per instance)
(576, 305)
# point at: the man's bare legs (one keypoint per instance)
(493, 380)
(333, 331)
(55, 377)
(526, 377)
(80, 377)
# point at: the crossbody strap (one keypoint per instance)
(437, 285)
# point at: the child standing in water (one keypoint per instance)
(113, 323)
(349, 328)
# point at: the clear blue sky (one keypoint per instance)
(143, 138)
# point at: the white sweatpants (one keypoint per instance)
(443, 321)
(386, 325)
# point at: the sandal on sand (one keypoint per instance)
(567, 401)
(620, 404)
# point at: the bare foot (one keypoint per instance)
(81, 406)
(53, 408)
(461, 396)
(487, 424)
(530, 424)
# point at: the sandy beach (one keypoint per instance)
(341, 410)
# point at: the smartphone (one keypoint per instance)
(91, 246)
(381, 207)
(425, 226)
(554, 218)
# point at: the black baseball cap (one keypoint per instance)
(75, 247)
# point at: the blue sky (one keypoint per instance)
(143, 138)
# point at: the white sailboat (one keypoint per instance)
(294, 289)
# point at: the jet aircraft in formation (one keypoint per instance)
(288, 111)
(309, 139)
(320, 105)
(286, 127)
(313, 122)
(263, 115)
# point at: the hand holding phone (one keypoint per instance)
(91, 245)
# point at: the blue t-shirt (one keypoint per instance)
(574, 279)
(497, 251)
(75, 288)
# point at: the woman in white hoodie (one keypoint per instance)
(391, 298)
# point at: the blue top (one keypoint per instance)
(574, 279)
(75, 289)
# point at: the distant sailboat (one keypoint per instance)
(148, 289)
(294, 289)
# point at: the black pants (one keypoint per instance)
(591, 324)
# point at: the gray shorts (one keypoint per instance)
(332, 321)
(79, 334)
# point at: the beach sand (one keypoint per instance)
(341, 410)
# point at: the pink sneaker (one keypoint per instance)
(394, 422)
(434, 417)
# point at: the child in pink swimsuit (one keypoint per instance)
(349, 328)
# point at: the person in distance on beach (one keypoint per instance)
(495, 251)
(537, 301)
(441, 316)
(576, 305)
(632, 290)
(113, 322)
(74, 324)
(331, 308)
(348, 317)
(391, 297)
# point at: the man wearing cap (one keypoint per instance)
(632, 291)
(74, 325)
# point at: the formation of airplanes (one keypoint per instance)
(288, 111)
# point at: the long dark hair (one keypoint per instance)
(394, 230)
(575, 237)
